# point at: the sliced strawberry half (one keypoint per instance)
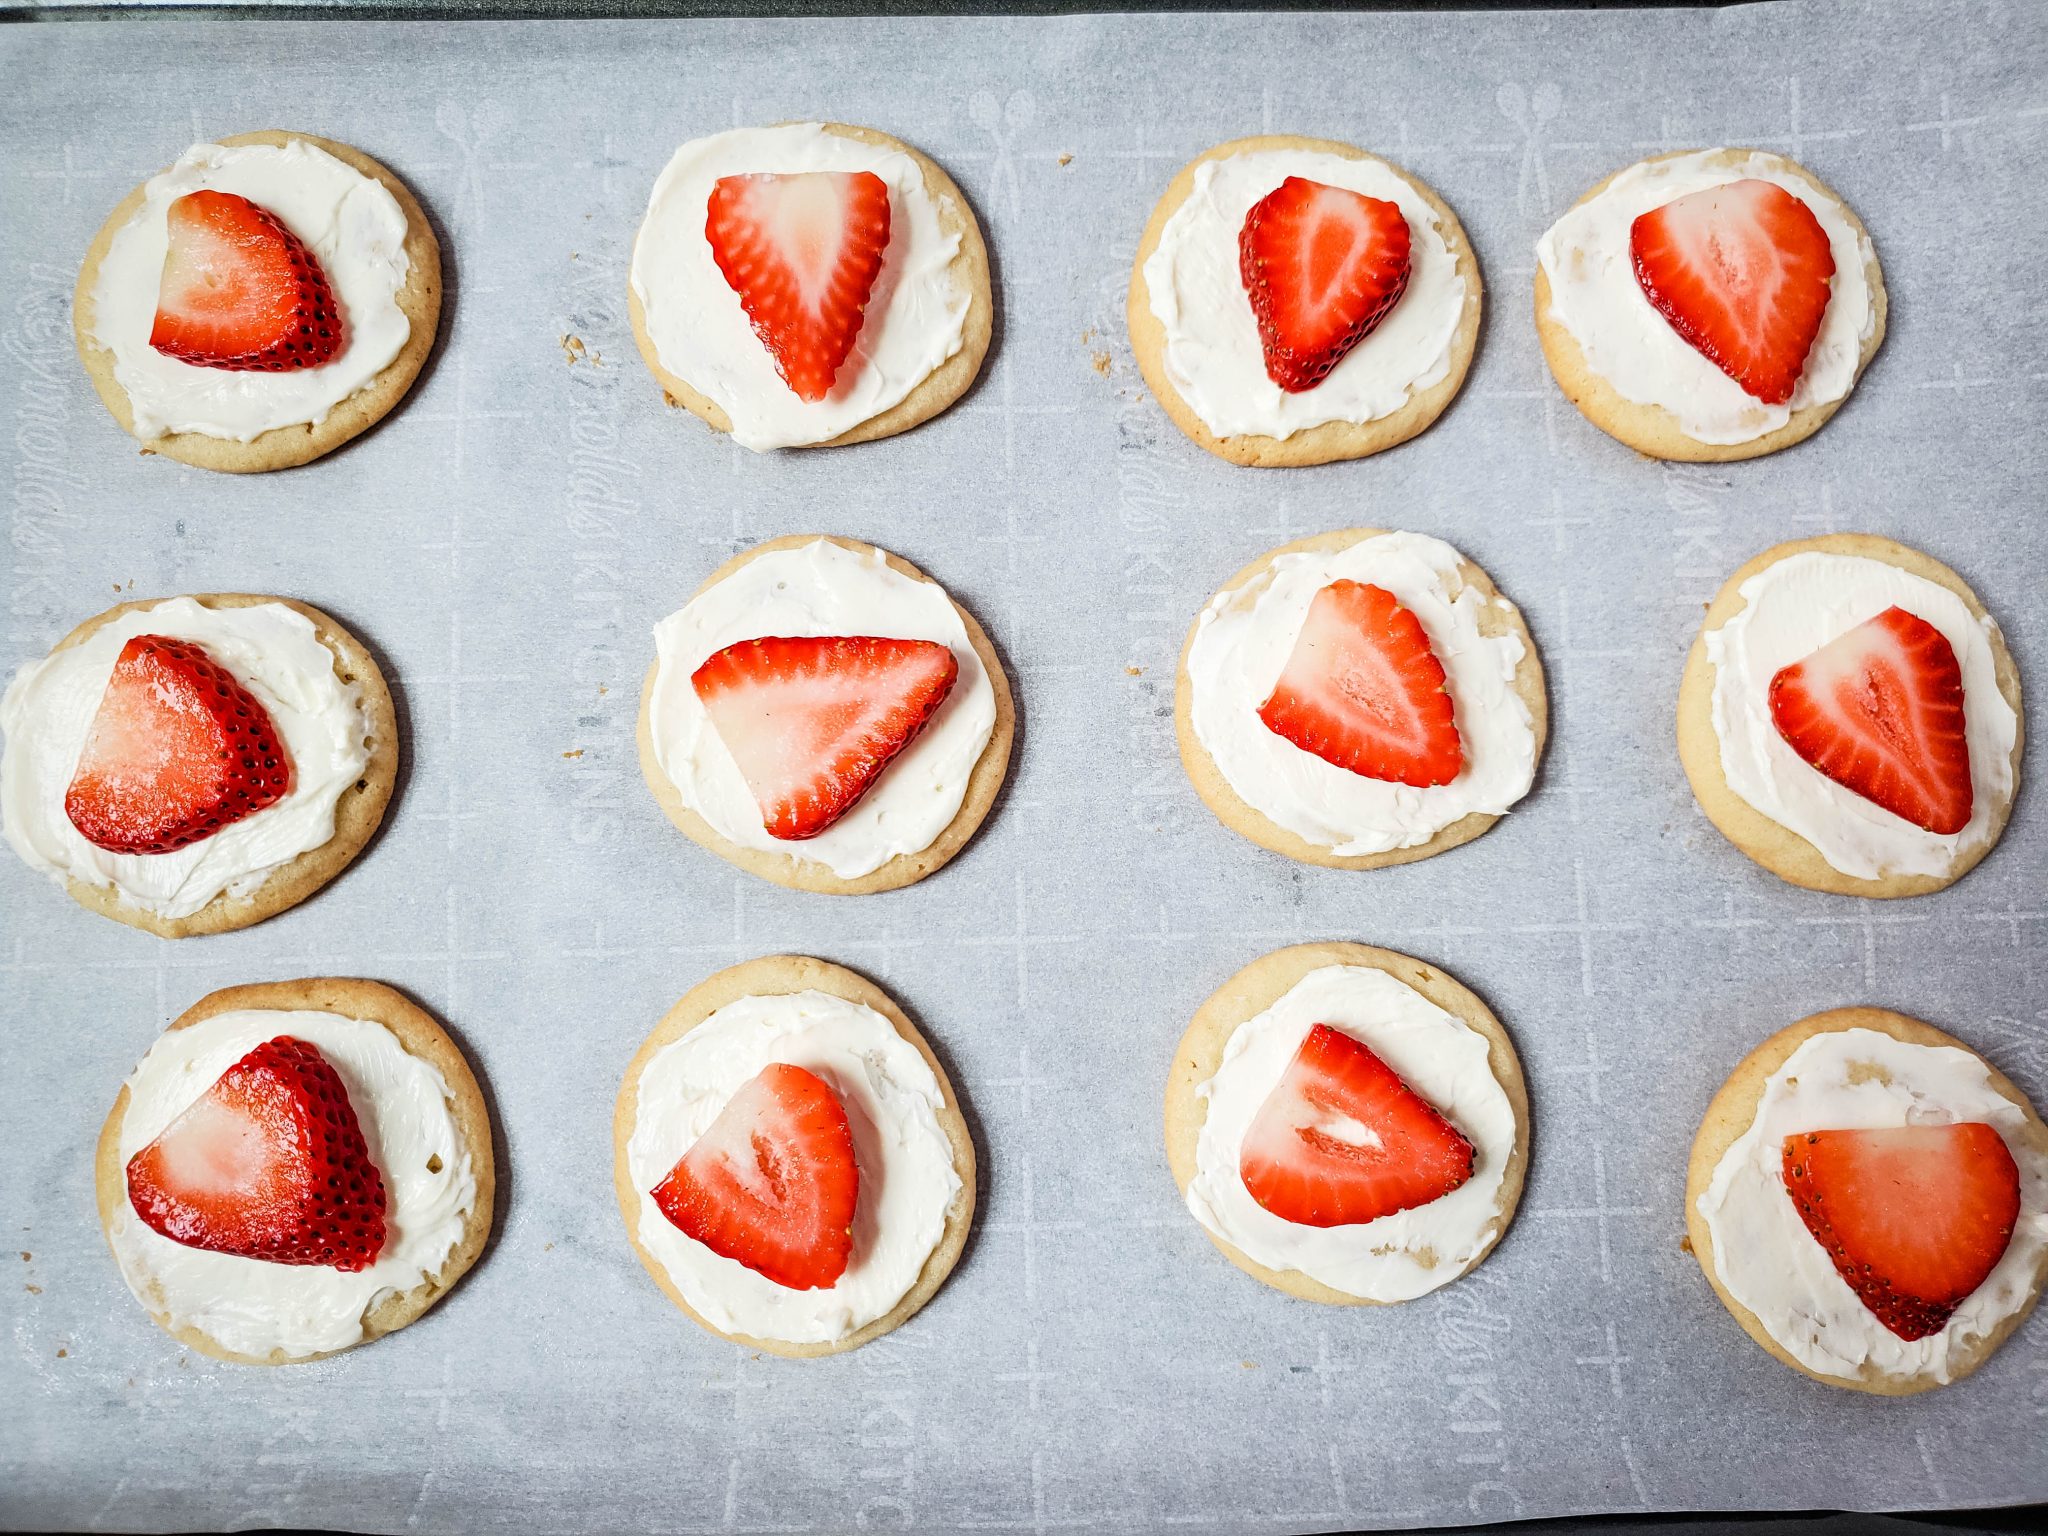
(269, 1163)
(802, 250)
(1913, 1218)
(1879, 710)
(177, 750)
(1342, 1140)
(1363, 690)
(772, 1184)
(812, 722)
(240, 291)
(1743, 273)
(1322, 266)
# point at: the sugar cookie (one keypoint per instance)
(1632, 372)
(423, 1124)
(1198, 340)
(1772, 802)
(370, 240)
(1438, 1042)
(915, 1160)
(1855, 1072)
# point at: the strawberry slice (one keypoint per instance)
(177, 750)
(813, 722)
(802, 251)
(1342, 1140)
(772, 1183)
(240, 291)
(1363, 690)
(1913, 1218)
(1880, 711)
(1743, 273)
(269, 1163)
(1322, 266)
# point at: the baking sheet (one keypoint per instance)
(509, 537)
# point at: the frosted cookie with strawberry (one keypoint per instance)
(296, 1168)
(1850, 717)
(1359, 699)
(790, 1160)
(260, 303)
(823, 715)
(1869, 1197)
(1709, 305)
(809, 284)
(1348, 1125)
(1298, 301)
(192, 765)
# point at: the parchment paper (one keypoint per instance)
(507, 539)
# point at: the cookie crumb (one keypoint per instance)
(1099, 361)
(1249, 1365)
(1065, 161)
(573, 349)
(547, 1247)
(1134, 671)
(63, 1353)
(578, 752)
(26, 1256)
(1685, 1244)
(1087, 334)
(33, 1290)
(602, 690)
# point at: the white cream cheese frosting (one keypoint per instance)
(253, 1307)
(1242, 642)
(1859, 1079)
(1791, 609)
(892, 1101)
(1594, 295)
(1212, 351)
(352, 225)
(916, 314)
(1397, 1257)
(821, 589)
(274, 652)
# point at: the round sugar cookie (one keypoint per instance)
(792, 868)
(775, 976)
(1653, 430)
(419, 298)
(1784, 852)
(1255, 989)
(421, 1036)
(357, 813)
(1732, 1112)
(938, 389)
(1498, 616)
(1332, 440)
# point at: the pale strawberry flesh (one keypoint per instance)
(1341, 1140)
(241, 292)
(772, 1183)
(1322, 267)
(1879, 710)
(269, 1163)
(1914, 1219)
(802, 250)
(1364, 691)
(177, 750)
(811, 722)
(1742, 272)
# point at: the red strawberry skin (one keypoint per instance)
(813, 721)
(269, 1163)
(177, 750)
(1322, 267)
(1342, 1140)
(802, 251)
(1743, 273)
(772, 1183)
(1914, 1218)
(240, 291)
(1879, 710)
(1364, 691)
